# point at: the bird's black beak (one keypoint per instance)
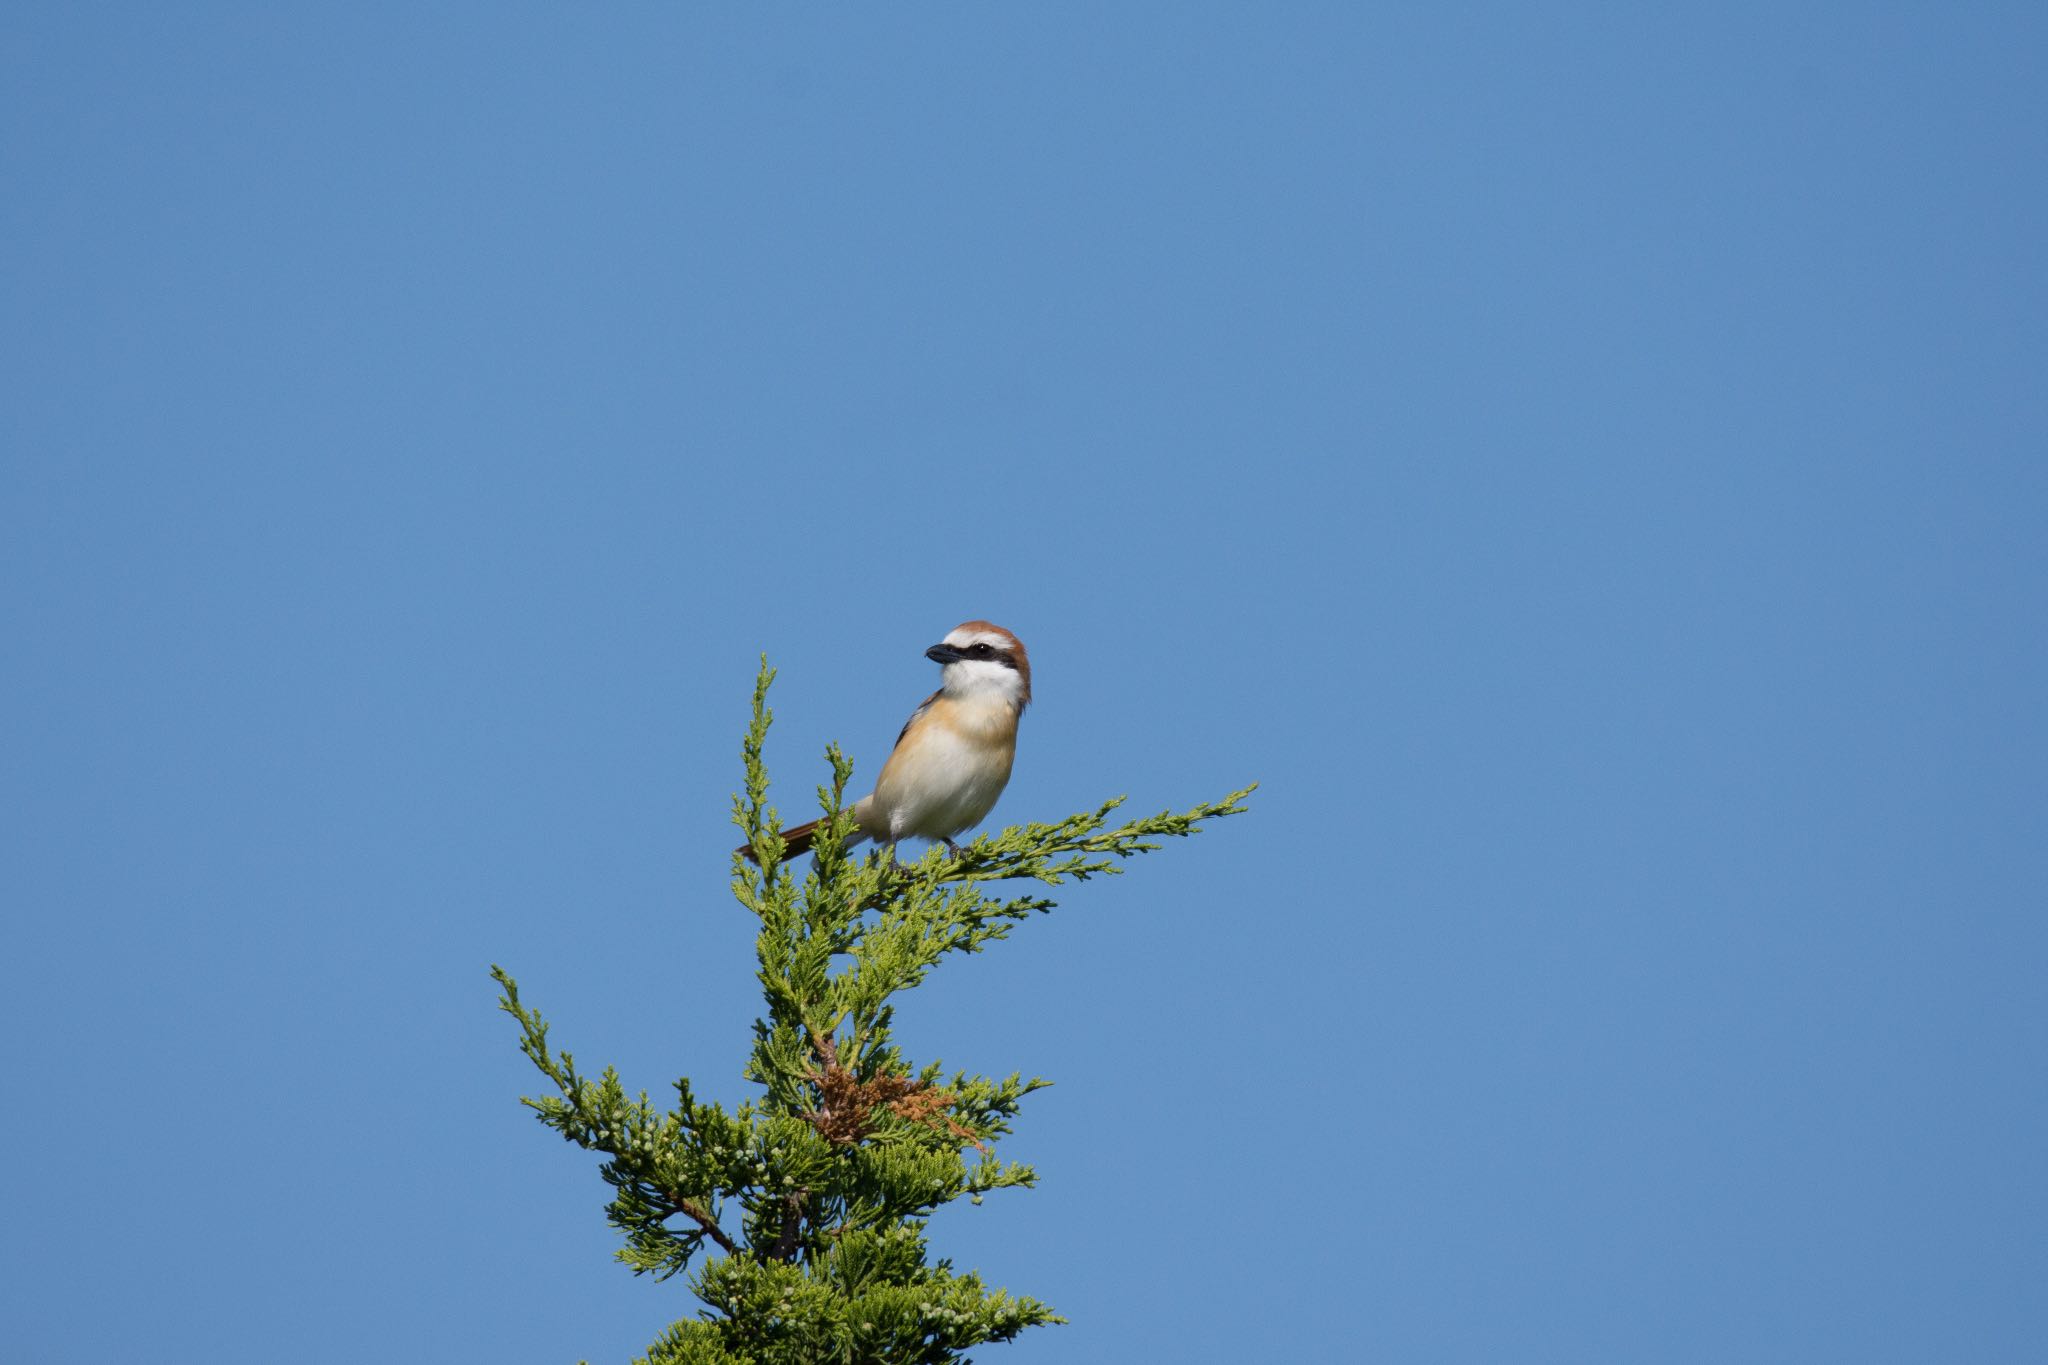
(943, 654)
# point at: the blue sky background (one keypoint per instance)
(1587, 462)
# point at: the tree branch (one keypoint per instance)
(707, 1223)
(790, 1240)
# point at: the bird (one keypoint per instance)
(953, 757)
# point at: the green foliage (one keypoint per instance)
(813, 1197)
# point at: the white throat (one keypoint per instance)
(981, 680)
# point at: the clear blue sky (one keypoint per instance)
(1591, 464)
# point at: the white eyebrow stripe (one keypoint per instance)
(979, 637)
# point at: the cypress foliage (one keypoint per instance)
(804, 1209)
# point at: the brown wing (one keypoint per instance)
(922, 707)
(800, 837)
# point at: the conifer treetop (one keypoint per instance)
(804, 1209)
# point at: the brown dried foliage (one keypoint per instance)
(846, 1106)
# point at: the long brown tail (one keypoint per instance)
(798, 839)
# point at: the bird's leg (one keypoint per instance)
(953, 846)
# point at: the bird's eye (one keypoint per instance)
(981, 649)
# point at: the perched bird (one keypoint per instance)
(953, 758)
